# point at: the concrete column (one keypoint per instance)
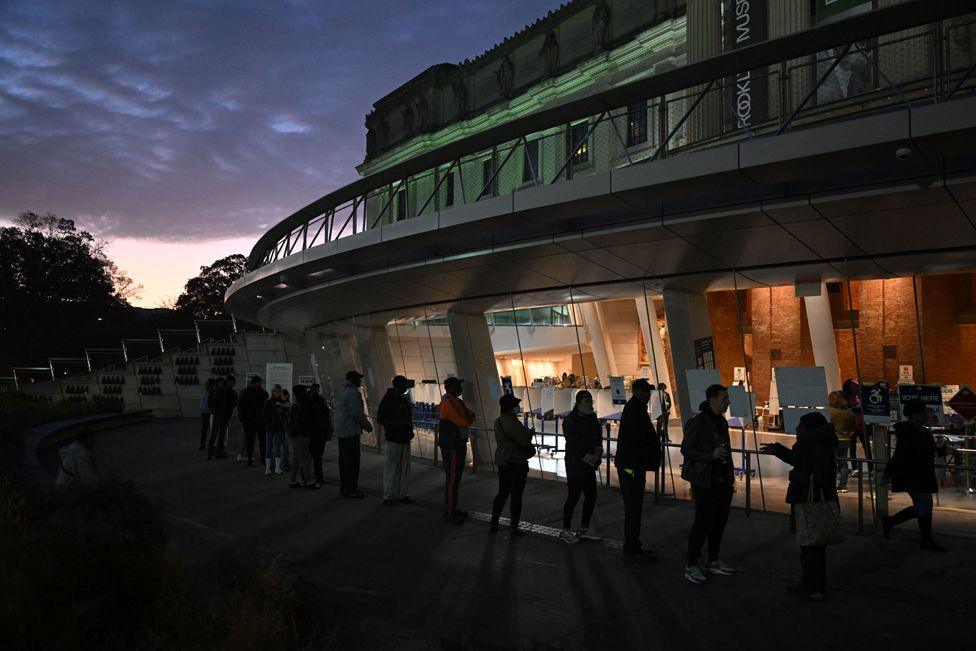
(596, 332)
(788, 17)
(373, 346)
(821, 324)
(652, 340)
(687, 319)
(704, 40)
(475, 359)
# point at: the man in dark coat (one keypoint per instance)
(250, 409)
(638, 451)
(912, 471)
(222, 404)
(395, 414)
(319, 429)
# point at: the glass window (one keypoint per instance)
(449, 190)
(505, 318)
(541, 316)
(579, 136)
(401, 208)
(523, 317)
(636, 124)
(487, 169)
(530, 161)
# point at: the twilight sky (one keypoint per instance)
(178, 131)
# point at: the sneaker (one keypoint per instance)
(279, 471)
(267, 472)
(817, 596)
(842, 490)
(694, 574)
(588, 534)
(407, 499)
(719, 567)
(313, 487)
(240, 458)
(568, 536)
(389, 502)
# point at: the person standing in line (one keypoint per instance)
(707, 452)
(452, 439)
(275, 417)
(222, 404)
(842, 418)
(285, 464)
(250, 408)
(662, 420)
(852, 394)
(351, 422)
(395, 414)
(638, 451)
(812, 458)
(205, 395)
(513, 449)
(320, 429)
(301, 458)
(912, 471)
(584, 454)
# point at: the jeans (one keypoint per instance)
(865, 443)
(843, 466)
(285, 452)
(253, 430)
(711, 515)
(587, 486)
(204, 429)
(511, 481)
(218, 435)
(273, 443)
(813, 561)
(396, 470)
(348, 464)
(454, 460)
(301, 461)
(316, 448)
(632, 490)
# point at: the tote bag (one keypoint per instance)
(817, 523)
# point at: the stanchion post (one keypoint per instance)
(748, 482)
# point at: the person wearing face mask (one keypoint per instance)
(395, 414)
(584, 453)
(707, 466)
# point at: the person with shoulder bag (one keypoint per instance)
(812, 496)
(512, 453)
(708, 468)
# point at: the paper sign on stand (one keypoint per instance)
(698, 381)
(741, 403)
(906, 374)
(618, 393)
(280, 373)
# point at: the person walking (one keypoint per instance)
(301, 459)
(205, 395)
(351, 421)
(250, 410)
(662, 420)
(222, 404)
(275, 418)
(707, 452)
(320, 429)
(452, 439)
(811, 479)
(584, 454)
(513, 449)
(852, 394)
(638, 451)
(395, 414)
(912, 471)
(842, 418)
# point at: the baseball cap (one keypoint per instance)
(508, 401)
(354, 375)
(640, 384)
(451, 381)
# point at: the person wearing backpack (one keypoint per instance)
(706, 449)
(395, 414)
(351, 422)
(452, 439)
(513, 449)
(319, 428)
(301, 458)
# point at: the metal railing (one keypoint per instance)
(889, 72)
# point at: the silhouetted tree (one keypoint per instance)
(203, 295)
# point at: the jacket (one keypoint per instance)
(205, 401)
(841, 417)
(274, 415)
(512, 440)
(77, 466)
(583, 434)
(319, 419)
(812, 454)
(912, 466)
(223, 401)
(455, 419)
(703, 433)
(251, 404)
(395, 414)
(638, 446)
(350, 419)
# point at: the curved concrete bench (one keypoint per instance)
(50, 436)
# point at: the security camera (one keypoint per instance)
(903, 153)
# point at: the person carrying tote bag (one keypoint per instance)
(812, 494)
(514, 449)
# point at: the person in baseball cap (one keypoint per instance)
(350, 422)
(395, 414)
(355, 377)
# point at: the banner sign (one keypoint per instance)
(876, 403)
(830, 8)
(704, 354)
(507, 388)
(279, 374)
(929, 394)
(746, 94)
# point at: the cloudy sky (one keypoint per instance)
(178, 131)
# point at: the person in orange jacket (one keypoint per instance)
(452, 438)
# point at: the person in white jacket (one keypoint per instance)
(350, 422)
(78, 462)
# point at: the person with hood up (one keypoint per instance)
(811, 479)
(912, 471)
(77, 462)
(395, 414)
(707, 466)
(584, 454)
(513, 442)
(350, 423)
(452, 439)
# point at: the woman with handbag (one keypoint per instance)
(812, 496)
(512, 454)
(584, 453)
